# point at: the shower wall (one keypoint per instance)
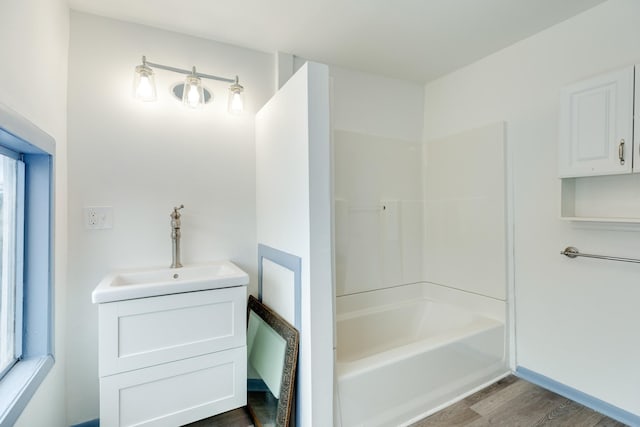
(377, 133)
(409, 210)
(378, 212)
(465, 245)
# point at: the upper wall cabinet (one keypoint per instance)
(596, 126)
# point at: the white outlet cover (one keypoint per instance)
(98, 217)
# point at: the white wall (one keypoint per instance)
(33, 81)
(377, 123)
(374, 105)
(143, 159)
(576, 320)
(294, 216)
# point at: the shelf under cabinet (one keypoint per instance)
(603, 199)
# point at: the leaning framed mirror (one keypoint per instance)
(272, 358)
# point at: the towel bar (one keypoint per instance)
(572, 252)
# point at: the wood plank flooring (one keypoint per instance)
(510, 402)
(237, 418)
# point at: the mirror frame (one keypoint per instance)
(292, 338)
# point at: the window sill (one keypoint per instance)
(20, 384)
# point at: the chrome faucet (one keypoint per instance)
(175, 237)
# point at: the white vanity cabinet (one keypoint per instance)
(596, 126)
(172, 359)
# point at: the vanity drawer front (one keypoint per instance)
(150, 331)
(175, 393)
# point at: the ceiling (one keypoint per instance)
(416, 40)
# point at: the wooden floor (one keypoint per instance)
(511, 402)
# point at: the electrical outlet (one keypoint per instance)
(98, 217)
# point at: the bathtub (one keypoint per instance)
(401, 354)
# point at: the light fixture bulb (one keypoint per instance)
(236, 103)
(144, 90)
(193, 93)
(193, 97)
(236, 98)
(144, 86)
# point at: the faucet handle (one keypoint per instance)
(175, 214)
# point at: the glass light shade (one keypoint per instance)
(144, 85)
(236, 98)
(193, 93)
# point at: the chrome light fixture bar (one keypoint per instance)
(193, 94)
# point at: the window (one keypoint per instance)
(11, 233)
(26, 261)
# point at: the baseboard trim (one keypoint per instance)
(90, 423)
(580, 397)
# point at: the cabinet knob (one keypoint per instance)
(621, 151)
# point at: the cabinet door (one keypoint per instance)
(176, 393)
(149, 331)
(596, 125)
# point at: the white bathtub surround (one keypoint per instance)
(465, 239)
(404, 351)
(409, 218)
(378, 212)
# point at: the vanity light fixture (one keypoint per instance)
(236, 98)
(192, 93)
(144, 85)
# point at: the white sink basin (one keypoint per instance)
(163, 281)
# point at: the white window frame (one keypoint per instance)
(37, 150)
